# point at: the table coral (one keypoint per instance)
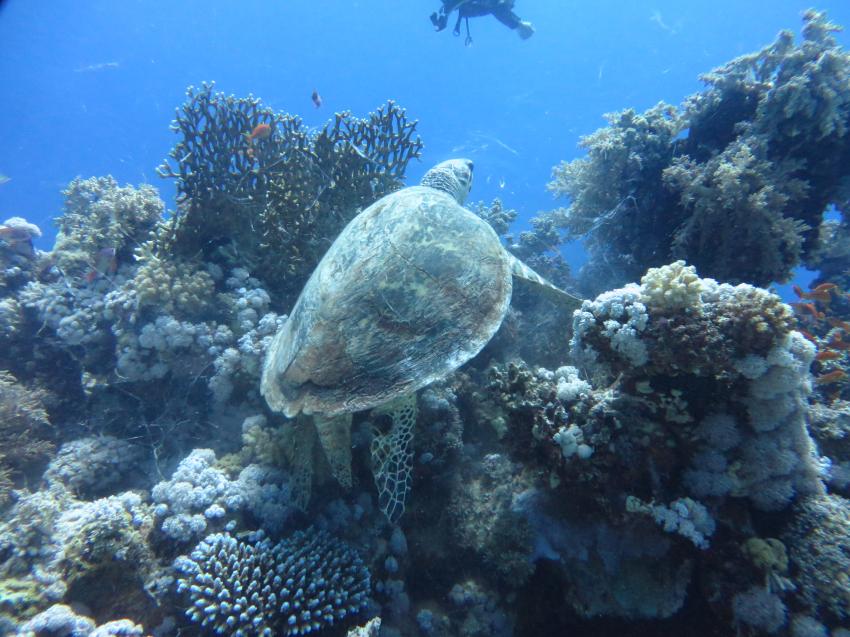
(278, 202)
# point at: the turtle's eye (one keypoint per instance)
(470, 165)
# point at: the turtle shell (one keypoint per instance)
(411, 289)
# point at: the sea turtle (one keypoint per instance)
(411, 289)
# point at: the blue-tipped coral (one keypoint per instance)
(304, 583)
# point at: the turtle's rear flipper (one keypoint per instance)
(392, 455)
(550, 291)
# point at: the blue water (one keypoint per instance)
(89, 88)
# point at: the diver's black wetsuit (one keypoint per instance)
(502, 10)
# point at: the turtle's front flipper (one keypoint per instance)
(392, 455)
(555, 294)
(335, 437)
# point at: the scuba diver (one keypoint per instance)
(502, 10)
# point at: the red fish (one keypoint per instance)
(317, 99)
(827, 355)
(261, 131)
(17, 239)
(839, 345)
(820, 293)
(105, 262)
(825, 287)
(832, 377)
(14, 233)
(808, 308)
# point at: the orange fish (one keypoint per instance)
(825, 287)
(317, 99)
(261, 131)
(809, 336)
(832, 377)
(14, 233)
(827, 355)
(820, 293)
(105, 262)
(838, 344)
(19, 240)
(808, 308)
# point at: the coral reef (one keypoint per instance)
(24, 431)
(696, 414)
(96, 466)
(735, 181)
(102, 224)
(656, 462)
(56, 548)
(60, 619)
(253, 587)
(199, 494)
(819, 548)
(276, 203)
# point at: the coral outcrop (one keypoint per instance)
(735, 181)
(276, 202)
(304, 583)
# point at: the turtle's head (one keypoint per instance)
(453, 176)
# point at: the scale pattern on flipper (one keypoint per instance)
(392, 456)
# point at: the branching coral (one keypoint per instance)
(538, 247)
(163, 286)
(741, 209)
(24, 428)
(103, 221)
(736, 181)
(618, 200)
(304, 583)
(276, 202)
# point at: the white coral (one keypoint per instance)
(673, 287)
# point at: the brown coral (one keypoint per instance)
(23, 428)
(276, 209)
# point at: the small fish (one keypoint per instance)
(261, 131)
(825, 287)
(832, 377)
(18, 240)
(827, 355)
(820, 293)
(4, 179)
(317, 99)
(808, 308)
(809, 336)
(105, 262)
(12, 234)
